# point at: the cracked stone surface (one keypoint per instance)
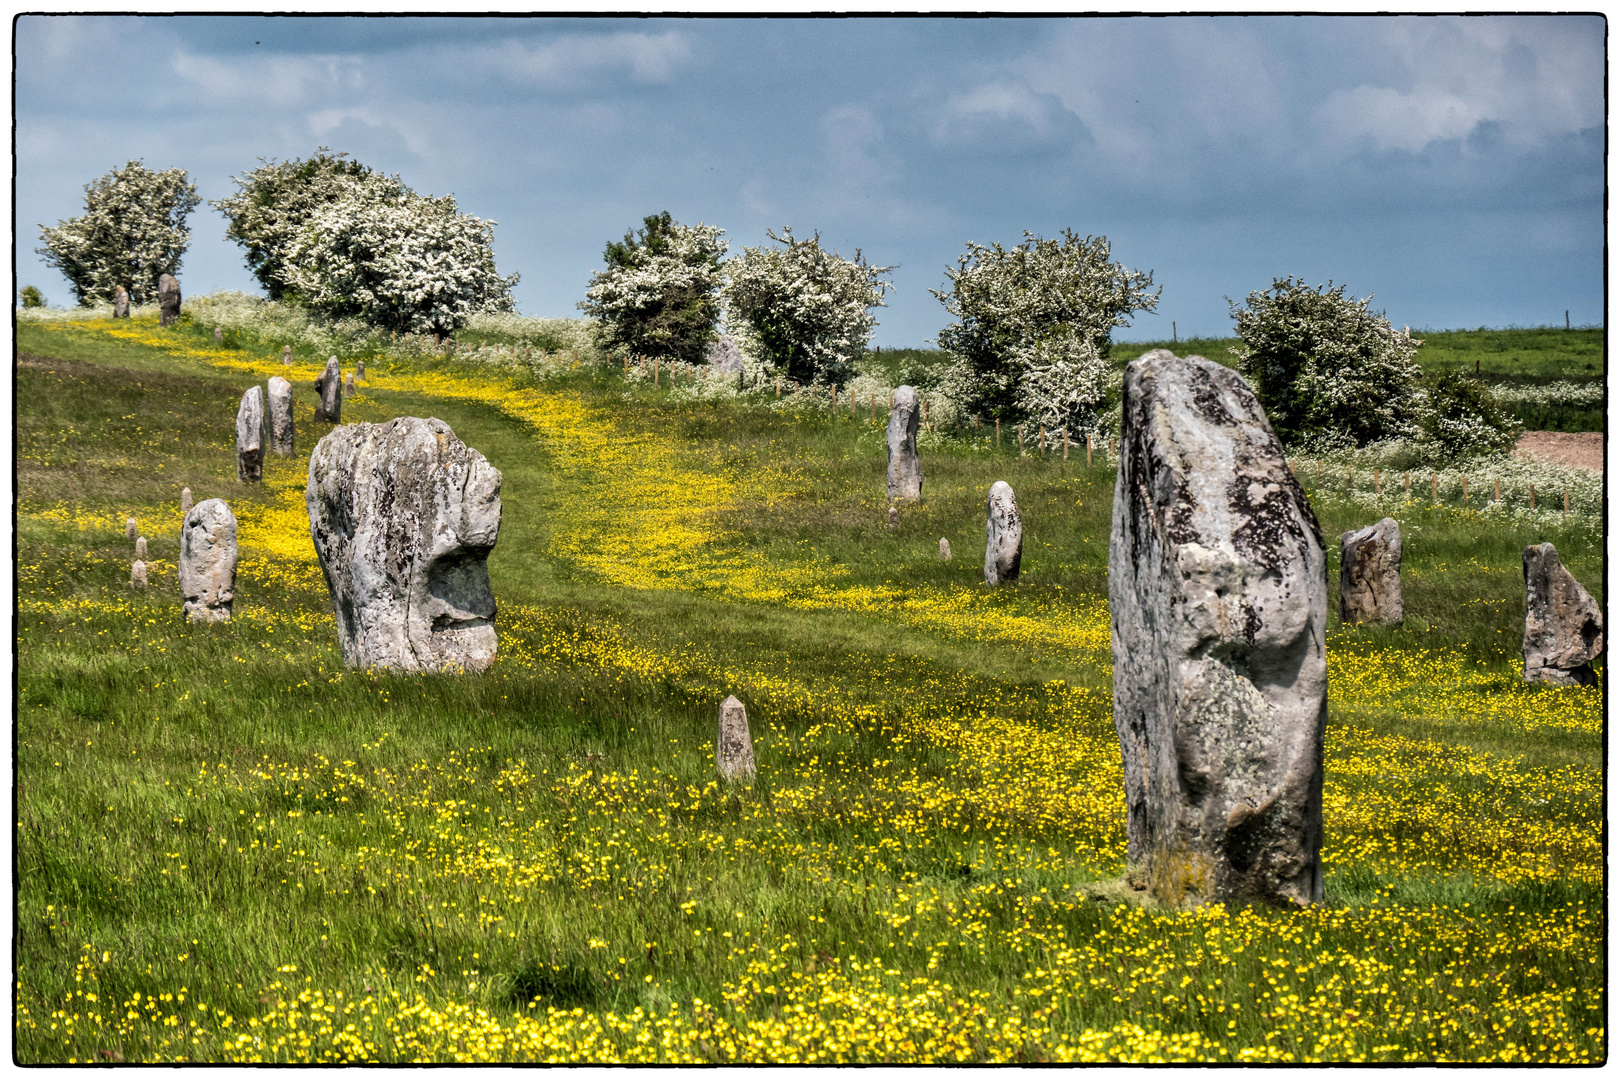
(905, 471)
(1563, 626)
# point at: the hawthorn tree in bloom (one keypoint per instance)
(1032, 328)
(808, 310)
(659, 294)
(132, 232)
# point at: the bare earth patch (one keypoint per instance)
(1583, 449)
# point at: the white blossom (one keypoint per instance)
(133, 231)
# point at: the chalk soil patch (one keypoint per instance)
(1580, 448)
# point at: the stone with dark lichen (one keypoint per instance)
(905, 471)
(1563, 625)
(733, 745)
(1217, 586)
(1370, 575)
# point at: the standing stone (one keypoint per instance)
(208, 561)
(944, 549)
(131, 530)
(360, 369)
(281, 416)
(905, 472)
(137, 574)
(734, 747)
(1563, 627)
(330, 407)
(286, 355)
(121, 303)
(894, 517)
(250, 436)
(185, 501)
(404, 516)
(724, 357)
(168, 300)
(1004, 535)
(348, 385)
(1370, 575)
(140, 547)
(219, 336)
(1217, 585)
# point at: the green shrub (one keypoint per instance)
(1461, 416)
(31, 296)
(659, 294)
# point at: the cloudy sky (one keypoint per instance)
(1451, 167)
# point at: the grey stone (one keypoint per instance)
(121, 303)
(185, 501)
(360, 369)
(219, 336)
(131, 530)
(1217, 588)
(894, 517)
(1370, 575)
(905, 472)
(1004, 535)
(286, 355)
(281, 416)
(208, 561)
(137, 574)
(329, 387)
(734, 747)
(168, 293)
(724, 357)
(1563, 626)
(140, 547)
(250, 436)
(944, 549)
(404, 516)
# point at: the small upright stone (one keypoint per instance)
(905, 472)
(286, 355)
(208, 561)
(131, 530)
(250, 436)
(944, 549)
(281, 416)
(348, 385)
(1563, 626)
(121, 303)
(185, 501)
(894, 517)
(360, 369)
(724, 357)
(328, 386)
(168, 293)
(140, 547)
(1004, 535)
(734, 747)
(219, 336)
(137, 574)
(1370, 575)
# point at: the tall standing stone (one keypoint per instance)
(1217, 585)
(281, 416)
(168, 293)
(404, 516)
(328, 386)
(905, 472)
(1563, 626)
(121, 303)
(944, 549)
(1370, 575)
(1004, 535)
(734, 747)
(137, 574)
(250, 436)
(131, 530)
(208, 561)
(140, 547)
(185, 501)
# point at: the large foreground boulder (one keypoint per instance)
(404, 516)
(1217, 585)
(208, 562)
(905, 471)
(1563, 627)
(1370, 575)
(250, 436)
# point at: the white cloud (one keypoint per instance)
(571, 58)
(275, 80)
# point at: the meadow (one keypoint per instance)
(229, 847)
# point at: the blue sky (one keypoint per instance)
(1451, 167)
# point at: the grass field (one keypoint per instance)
(231, 848)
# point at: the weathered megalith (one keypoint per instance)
(404, 516)
(1217, 586)
(360, 368)
(734, 747)
(329, 387)
(286, 355)
(219, 336)
(250, 436)
(944, 549)
(140, 547)
(1004, 535)
(905, 472)
(185, 501)
(1563, 626)
(281, 416)
(168, 293)
(137, 574)
(208, 561)
(724, 357)
(1370, 575)
(131, 530)
(121, 303)
(348, 385)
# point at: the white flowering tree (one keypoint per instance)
(1328, 371)
(807, 310)
(660, 293)
(132, 232)
(405, 262)
(1033, 327)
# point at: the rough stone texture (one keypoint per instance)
(185, 501)
(1217, 585)
(168, 300)
(944, 549)
(734, 747)
(281, 416)
(140, 547)
(905, 472)
(404, 516)
(137, 574)
(360, 369)
(894, 517)
(1004, 535)
(329, 387)
(121, 303)
(208, 561)
(724, 357)
(348, 385)
(131, 530)
(1370, 575)
(250, 436)
(286, 355)
(219, 336)
(1563, 627)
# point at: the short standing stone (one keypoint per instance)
(404, 516)
(281, 416)
(185, 501)
(1217, 588)
(131, 530)
(208, 561)
(894, 517)
(250, 436)
(286, 355)
(1004, 535)
(724, 357)
(1563, 626)
(121, 303)
(168, 293)
(944, 549)
(140, 547)
(137, 574)
(905, 472)
(360, 369)
(348, 385)
(328, 386)
(219, 336)
(734, 747)
(1370, 575)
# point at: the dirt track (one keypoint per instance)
(1581, 448)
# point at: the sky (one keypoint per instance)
(1451, 167)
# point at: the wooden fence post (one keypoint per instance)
(1532, 496)
(1020, 440)
(1566, 500)
(1465, 491)
(1434, 487)
(1498, 486)
(1408, 475)
(1378, 482)
(1066, 443)
(998, 433)
(1088, 449)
